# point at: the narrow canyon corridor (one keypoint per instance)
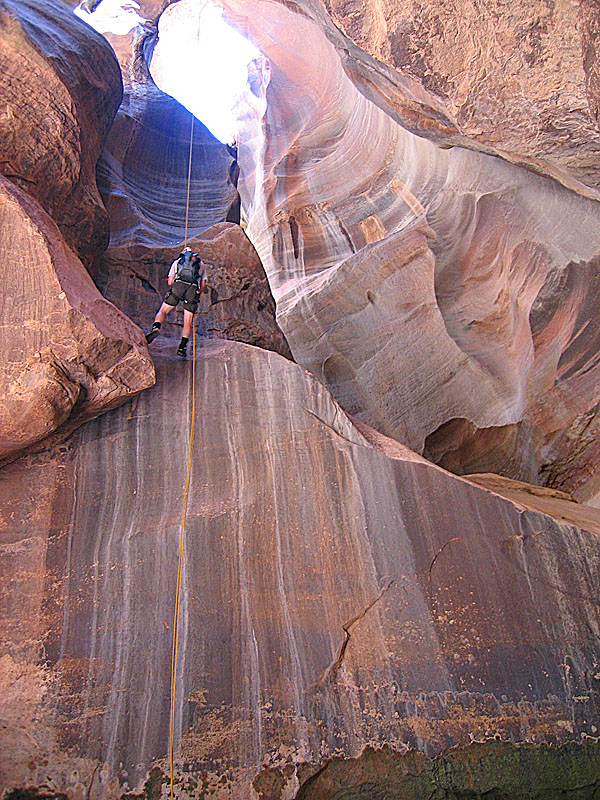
(391, 569)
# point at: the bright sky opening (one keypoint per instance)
(204, 62)
(112, 16)
(205, 66)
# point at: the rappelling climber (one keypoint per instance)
(187, 281)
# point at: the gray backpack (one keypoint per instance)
(188, 267)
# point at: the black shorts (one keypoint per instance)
(183, 292)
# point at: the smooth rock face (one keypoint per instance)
(143, 172)
(67, 354)
(238, 306)
(493, 324)
(339, 592)
(60, 86)
(333, 595)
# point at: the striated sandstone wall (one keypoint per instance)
(338, 591)
(468, 348)
(61, 87)
(516, 79)
(143, 169)
(143, 172)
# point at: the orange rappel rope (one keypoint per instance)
(185, 500)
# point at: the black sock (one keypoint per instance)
(184, 341)
(156, 324)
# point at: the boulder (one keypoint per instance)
(238, 305)
(67, 354)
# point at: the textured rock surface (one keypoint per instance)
(56, 111)
(478, 772)
(505, 286)
(333, 595)
(238, 306)
(482, 345)
(67, 354)
(144, 169)
(339, 591)
(519, 80)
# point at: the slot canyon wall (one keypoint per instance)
(418, 277)
(444, 251)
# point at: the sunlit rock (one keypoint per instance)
(518, 80)
(492, 326)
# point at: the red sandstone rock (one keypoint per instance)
(67, 354)
(239, 304)
(338, 591)
(496, 326)
(60, 87)
(519, 80)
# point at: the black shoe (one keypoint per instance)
(182, 351)
(152, 334)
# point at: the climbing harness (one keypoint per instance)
(186, 492)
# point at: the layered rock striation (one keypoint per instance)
(520, 82)
(61, 86)
(144, 169)
(469, 342)
(350, 612)
(143, 172)
(67, 354)
(338, 591)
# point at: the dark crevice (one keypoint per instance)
(440, 551)
(294, 232)
(346, 236)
